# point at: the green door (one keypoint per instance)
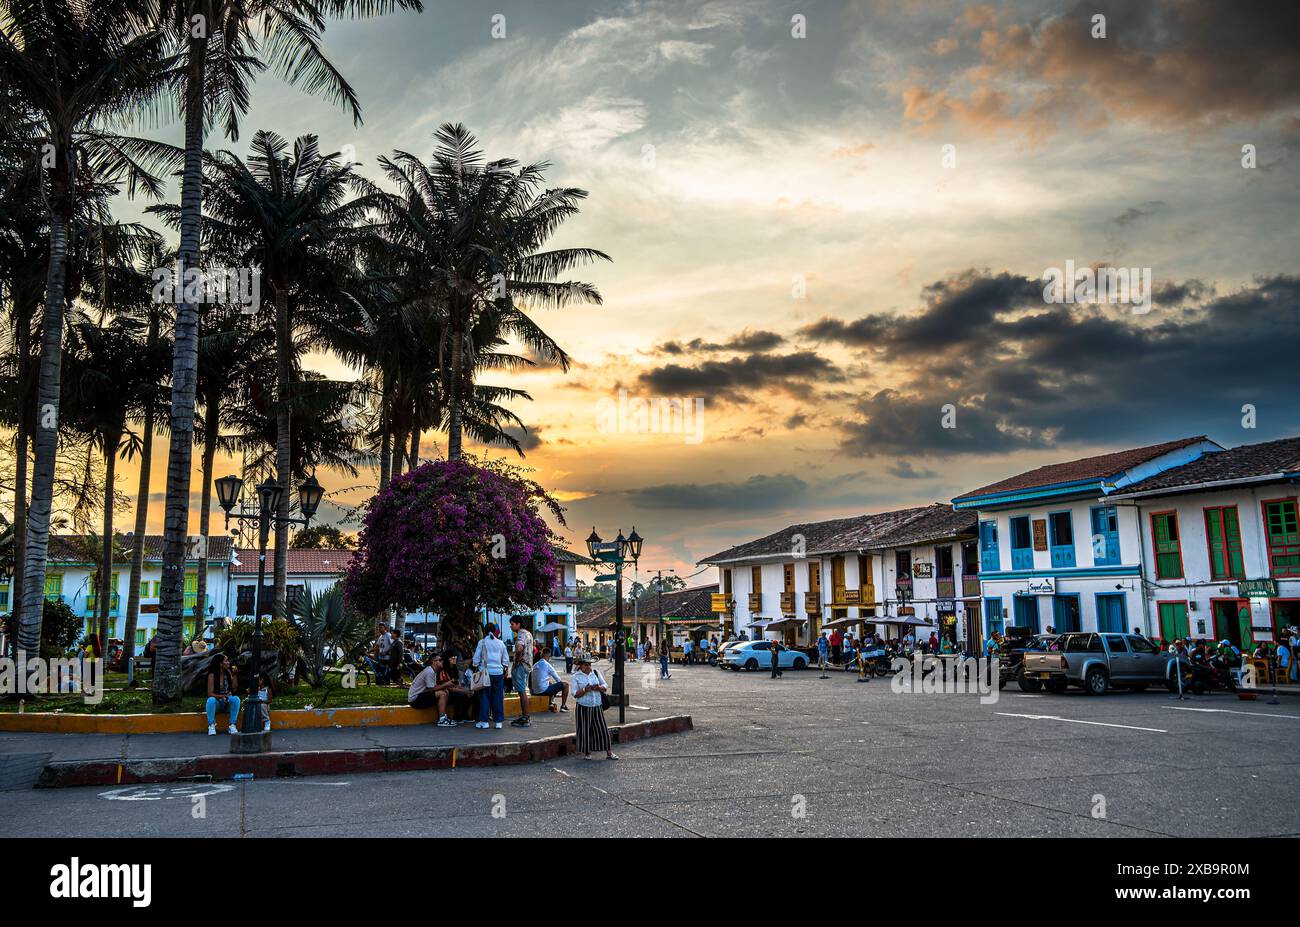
(1173, 621)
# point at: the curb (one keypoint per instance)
(190, 722)
(337, 762)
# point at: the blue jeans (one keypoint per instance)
(212, 709)
(663, 666)
(492, 700)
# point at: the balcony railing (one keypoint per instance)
(721, 603)
(787, 603)
(755, 602)
(564, 593)
(946, 588)
(812, 603)
(970, 586)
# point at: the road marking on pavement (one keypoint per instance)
(163, 792)
(1230, 711)
(1127, 727)
(1028, 696)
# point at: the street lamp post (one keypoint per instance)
(616, 553)
(659, 595)
(229, 488)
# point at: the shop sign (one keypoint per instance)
(923, 570)
(1257, 588)
(1044, 585)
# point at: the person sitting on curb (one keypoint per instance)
(427, 692)
(221, 696)
(543, 680)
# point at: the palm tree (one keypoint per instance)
(218, 55)
(112, 372)
(76, 65)
(471, 233)
(297, 216)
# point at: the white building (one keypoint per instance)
(563, 607)
(1220, 541)
(1055, 549)
(806, 576)
(69, 573)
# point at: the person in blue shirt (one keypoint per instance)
(823, 649)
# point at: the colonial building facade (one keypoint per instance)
(1057, 553)
(1220, 543)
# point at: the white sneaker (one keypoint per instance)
(481, 724)
(498, 725)
(444, 721)
(233, 730)
(212, 730)
(266, 726)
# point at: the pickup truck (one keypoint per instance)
(1098, 662)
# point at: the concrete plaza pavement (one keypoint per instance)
(795, 756)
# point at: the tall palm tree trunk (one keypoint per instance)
(414, 460)
(282, 448)
(103, 596)
(453, 399)
(22, 440)
(47, 412)
(385, 434)
(166, 674)
(213, 410)
(137, 548)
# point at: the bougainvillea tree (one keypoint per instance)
(455, 537)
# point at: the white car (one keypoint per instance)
(754, 655)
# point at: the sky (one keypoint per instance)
(830, 225)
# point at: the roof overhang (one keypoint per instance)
(1051, 491)
(1208, 485)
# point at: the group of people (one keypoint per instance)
(442, 684)
(223, 693)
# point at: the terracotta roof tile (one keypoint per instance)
(1243, 462)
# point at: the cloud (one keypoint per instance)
(748, 340)
(1165, 63)
(757, 492)
(1135, 213)
(741, 379)
(1017, 373)
(904, 470)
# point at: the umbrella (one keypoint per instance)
(552, 626)
(761, 623)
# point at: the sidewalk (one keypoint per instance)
(106, 759)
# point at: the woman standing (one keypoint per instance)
(588, 686)
(491, 655)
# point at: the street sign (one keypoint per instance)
(606, 577)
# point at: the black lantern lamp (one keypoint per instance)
(593, 542)
(228, 490)
(634, 542)
(268, 495)
(310, 494)
(620, 546)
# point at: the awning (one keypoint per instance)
(788, 619)
(843, 622)
(910, 621)
(552, 626)
(761, 622)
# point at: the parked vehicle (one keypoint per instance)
(753, 655)
(1098, 662)
(722, 652)
(1011, 658)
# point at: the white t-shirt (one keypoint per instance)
(568, 653)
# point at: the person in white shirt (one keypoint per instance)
(491, 655)
(588, 686)
(543, 680)
(568, 658)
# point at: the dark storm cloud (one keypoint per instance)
(748, 340)
(757, 492)
(529, 438)
(734, 379)
(1031, 376)
(904, 470)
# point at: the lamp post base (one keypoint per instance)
(259, 742)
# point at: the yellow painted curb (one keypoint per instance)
(196, 722)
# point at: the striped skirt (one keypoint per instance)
(592, 733)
